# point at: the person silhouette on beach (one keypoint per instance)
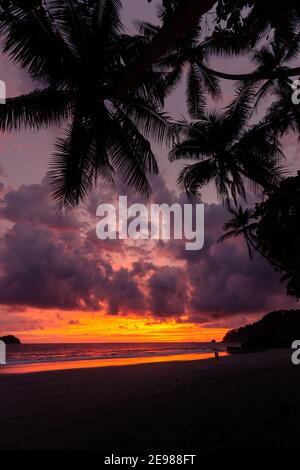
(215, 350)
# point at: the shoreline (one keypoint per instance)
(47, 366)
(236, 403)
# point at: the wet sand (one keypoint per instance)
(239, 402)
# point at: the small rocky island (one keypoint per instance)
(10, 339)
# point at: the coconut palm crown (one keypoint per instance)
(228, 152)
(74, 51)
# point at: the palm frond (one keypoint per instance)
(193, 177)
(293, 49)
(211, 83)
(173, 79)
(194, 92)
(259, 152)
(31, 39)
(226, 44)
(152, 123)
(146, 28)
(131, 155)
(35, 110)
(71, 173)
(239, 110)
(151, 89)
(226, 236)
(263, 92)
(188, 150)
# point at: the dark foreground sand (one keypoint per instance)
(239, 402)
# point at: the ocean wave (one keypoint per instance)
(31, 354)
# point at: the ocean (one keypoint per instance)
(39, 357)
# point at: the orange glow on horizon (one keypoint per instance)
(90, 327)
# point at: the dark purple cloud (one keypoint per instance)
(224, 282)
(47, 269)
(47, 265)
(32, 203)
(53, 263)
(74, 322)
(124, 290)
(142, 268)
(168, 292)
(3, 173)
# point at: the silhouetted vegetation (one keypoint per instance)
(10, 339)
(278, 233)
(272, 229)
(75, 51)
(275, 330)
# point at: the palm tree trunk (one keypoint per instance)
(273, 74)
(185, 17)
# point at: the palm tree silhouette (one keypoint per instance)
(229, 152)
(241, 224)
(185, 58)
(75, 51)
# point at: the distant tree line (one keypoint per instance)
(275, 330)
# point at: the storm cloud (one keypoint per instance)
(52, 262)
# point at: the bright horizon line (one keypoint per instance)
(113, 342)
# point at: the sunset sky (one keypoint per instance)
(59, 283)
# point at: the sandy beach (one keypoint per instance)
(239, 402)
